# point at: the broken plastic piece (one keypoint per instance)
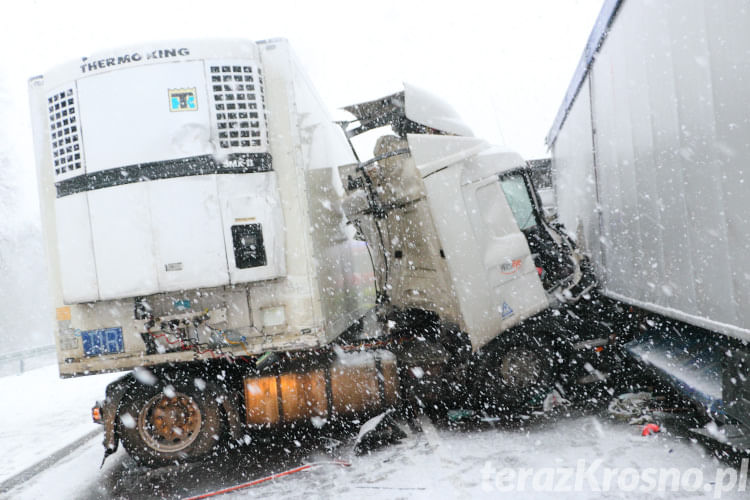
(649, 429)
(377, 432)
(268, 359)
(553, 400)
(459, 414)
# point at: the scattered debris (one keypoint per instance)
(377, 432)
(650, 429)
(632, 406)
(554, 400)
(459, 414)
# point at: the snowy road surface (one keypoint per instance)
(43, 413)
(539, 460)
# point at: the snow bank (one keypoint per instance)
(43, 413)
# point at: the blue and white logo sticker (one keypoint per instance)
(507, 311)
(183, 100)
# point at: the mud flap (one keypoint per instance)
(113, 397)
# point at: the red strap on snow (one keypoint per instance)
(268, 478)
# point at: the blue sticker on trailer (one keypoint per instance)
(181, 305)
(104, 341)
(182, 100)
(507, 311)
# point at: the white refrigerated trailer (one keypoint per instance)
(182, 221)
(651, 160)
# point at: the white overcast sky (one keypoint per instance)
(504, 64)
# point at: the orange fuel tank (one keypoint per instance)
(355, 383)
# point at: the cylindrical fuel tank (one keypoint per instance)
(354, 383)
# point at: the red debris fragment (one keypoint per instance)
(649, 429)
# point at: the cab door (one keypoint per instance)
(513, 281)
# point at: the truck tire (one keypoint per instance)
(165, 423)
(514, 376)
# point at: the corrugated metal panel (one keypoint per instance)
(575, 177)
(596, 38)
(729, 48)
(670, 97)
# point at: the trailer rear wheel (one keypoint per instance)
(165, 424)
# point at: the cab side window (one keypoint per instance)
(494, 212)
(519, 200)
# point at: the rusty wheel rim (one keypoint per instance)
(170, 424)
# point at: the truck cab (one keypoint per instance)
(454, 222)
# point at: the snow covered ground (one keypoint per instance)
(536, 462)
(573, 457)
(43, 413)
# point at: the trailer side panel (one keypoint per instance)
(669, 118)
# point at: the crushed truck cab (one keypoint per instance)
(454, 220)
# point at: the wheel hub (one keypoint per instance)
(170, 423)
